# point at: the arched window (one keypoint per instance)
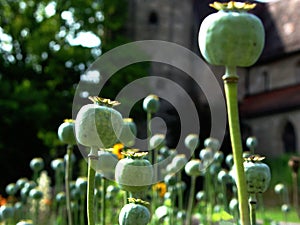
(289, 138)
(153, 18)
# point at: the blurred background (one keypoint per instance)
(47, 45)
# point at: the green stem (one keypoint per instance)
(231, 90)
(91, 186)
(36, 211)
(149, 136)
(180, 196)
(81, 205)
(225, 200)
(209, 193)
(295, 192)
(261, 206)
(252, 204)
(103, 197)
(67, 183)
(191, 201)
(171, 209)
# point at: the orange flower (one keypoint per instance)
(117, 150)
(3, 201)
(161, 188)
(47, 201)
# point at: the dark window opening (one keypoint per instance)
(289, 138)
(153, 18)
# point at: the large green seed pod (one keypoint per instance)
(134, 174)
(134, 214)
(98, 124)
(66, 132)
(232, 36)
(258, 175)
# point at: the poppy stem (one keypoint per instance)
(231, 92)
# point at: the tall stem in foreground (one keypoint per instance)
(91, 185)
(103, 198)
(231, 89)
(67, 183)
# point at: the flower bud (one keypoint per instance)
(192, 168)
(66, 132)
(134, 214)
(60, 198)
(151, 104)
(6, 212)
(58, 165)
(191, 141)
(251, 142)
(157, 141)
(258, 176)
(206, 155)
(179, 162)
(212, 143)
(11, 189)
(37, 164)
(35, 194)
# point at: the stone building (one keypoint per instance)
(269, 91)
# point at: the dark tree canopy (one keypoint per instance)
(45, 46)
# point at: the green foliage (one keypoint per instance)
(40, 66)
(280, 171)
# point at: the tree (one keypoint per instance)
(45, 46)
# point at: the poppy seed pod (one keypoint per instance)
(37, 164)
(206, 155)
(192, 141)
(134, 173)
(6, 212)
(178, 162)
(35, 194)
(212, 143)
(66, 132)
(134, 214)
(251, 142)
(81, 183)
(11, 189)
(258, 175)
(229, 160)
(58, 165)
(280, 188)
(60, 198)
(98, 124)
(151, 104)
(157, 141)
(192, 168)
(170, 179)
(231, 36)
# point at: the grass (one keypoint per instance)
(275, 214)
